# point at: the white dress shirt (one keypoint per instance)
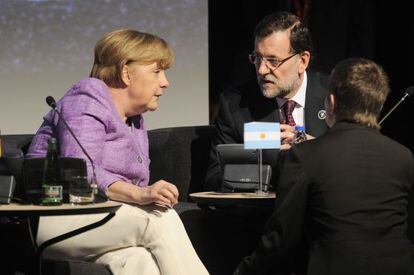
(299, 111)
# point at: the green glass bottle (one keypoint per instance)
(51, 182)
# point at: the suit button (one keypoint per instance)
(139, 159)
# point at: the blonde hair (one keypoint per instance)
(124, 46)
(360, 87)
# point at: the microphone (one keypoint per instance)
(52, 103)
(409, 92)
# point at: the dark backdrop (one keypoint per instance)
(340, 29)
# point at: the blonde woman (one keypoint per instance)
(105, 112)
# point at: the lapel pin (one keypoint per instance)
(322, 114)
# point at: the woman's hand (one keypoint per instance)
(161, 192)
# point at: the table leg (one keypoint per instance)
(31, 265)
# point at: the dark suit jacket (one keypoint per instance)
(246, 103)
(349, 189)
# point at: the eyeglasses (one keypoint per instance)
(273, 62)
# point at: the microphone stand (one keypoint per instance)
(94, 184)
(393, 108)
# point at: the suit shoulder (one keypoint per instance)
(333, 140)
(318, 81)
(318, 76)
(241, 89)
(93, 89)
(397, 147)
(88, 96)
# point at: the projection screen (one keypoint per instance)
(47, 46)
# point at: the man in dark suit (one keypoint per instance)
(349, 189)
(283, 91)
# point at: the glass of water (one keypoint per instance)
(80, 191)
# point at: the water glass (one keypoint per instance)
(80, 191)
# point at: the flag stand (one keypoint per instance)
(261, 135)
(260, 191)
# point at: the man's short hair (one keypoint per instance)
(360, 87)
(125, 46)
(300, 37)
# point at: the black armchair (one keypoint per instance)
(178, 155)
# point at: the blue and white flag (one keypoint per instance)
(261, 135)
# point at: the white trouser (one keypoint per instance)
(138, 240)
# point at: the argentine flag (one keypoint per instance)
(261, 135)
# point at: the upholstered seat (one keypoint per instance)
(178, 155)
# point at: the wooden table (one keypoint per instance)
(233, 199)
(31, 214)
(24, 210)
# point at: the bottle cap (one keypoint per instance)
(299, 128)
(52, 140)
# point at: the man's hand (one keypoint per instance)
(287, 133)
(309, 137)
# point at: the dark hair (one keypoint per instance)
(300, 37)
(360, 87)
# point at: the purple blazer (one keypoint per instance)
(120, 152)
